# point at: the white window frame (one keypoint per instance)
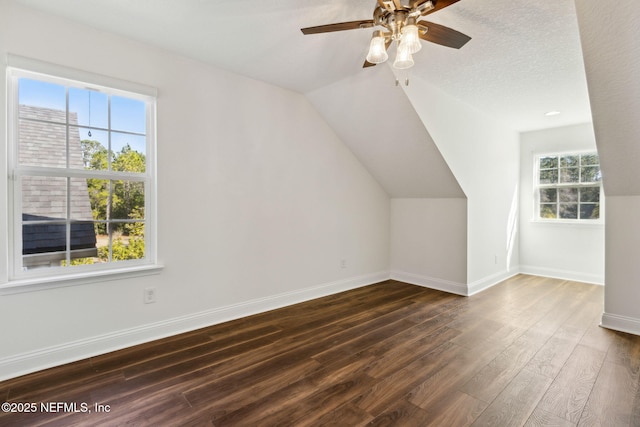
(537, 186)
(46, 278)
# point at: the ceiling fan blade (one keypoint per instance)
(437, 5)
(341, 26)
(442, 35)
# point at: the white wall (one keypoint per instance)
(567, 251)
(258, 203)
(609, 36)
(483, 155)
(429, 210)
(429, 243)
(622, 290)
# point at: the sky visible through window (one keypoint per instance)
(127, 114)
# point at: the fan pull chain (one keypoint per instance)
(89, 133)
(406, 79)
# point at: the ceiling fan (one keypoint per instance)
(400, 24)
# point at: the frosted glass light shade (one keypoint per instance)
(377, 49)
(410, 38)
(403, 58)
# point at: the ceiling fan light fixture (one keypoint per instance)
(410, 38)
(400, 20)
(377, 49)
(403, 58)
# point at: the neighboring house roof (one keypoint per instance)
(43, 142)
(45, 238)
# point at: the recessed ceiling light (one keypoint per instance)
(551, 113)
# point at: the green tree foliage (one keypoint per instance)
(128, 196)
(117, 199)
(133, 247)
(94, 155)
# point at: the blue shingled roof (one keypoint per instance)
(40, 238)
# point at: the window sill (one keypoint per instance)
(569, 223)
(46, 283)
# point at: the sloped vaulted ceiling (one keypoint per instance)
(381, 127)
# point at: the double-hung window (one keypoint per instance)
(568, 187)
(81, 177)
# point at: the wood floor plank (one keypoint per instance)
(322, 402)
(625, 351)
(197, 358)
(484, 331)
(494, 377)
(515, 404)
(139, 354)
(415, 333)
(550, 359)
(49, 379)
(527, 351)
(612, 398)
(569, 392)
(287, 402)
(374, 332)
(585, 315)
(61, 389)
(561, 305)
(277, 402)
(235, 344)
(397, 385)
(168, 379)
(309, 341)
(229, 393)
(346, 415)
(457, 409)
(433, 305)
(597, 337)
(406, 352)
(542, 418)
(402, 413)
(463, 365)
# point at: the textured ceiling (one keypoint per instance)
(524, 58)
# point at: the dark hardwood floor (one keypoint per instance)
(528, 351)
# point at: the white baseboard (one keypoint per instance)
(21, 364)
(616, 322)
(430, 282)
(575, 276)
(452, 287)
(489, 281)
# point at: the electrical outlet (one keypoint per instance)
(150, 295)
(343, 263)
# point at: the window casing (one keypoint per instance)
(568, 187)
(81, 177)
